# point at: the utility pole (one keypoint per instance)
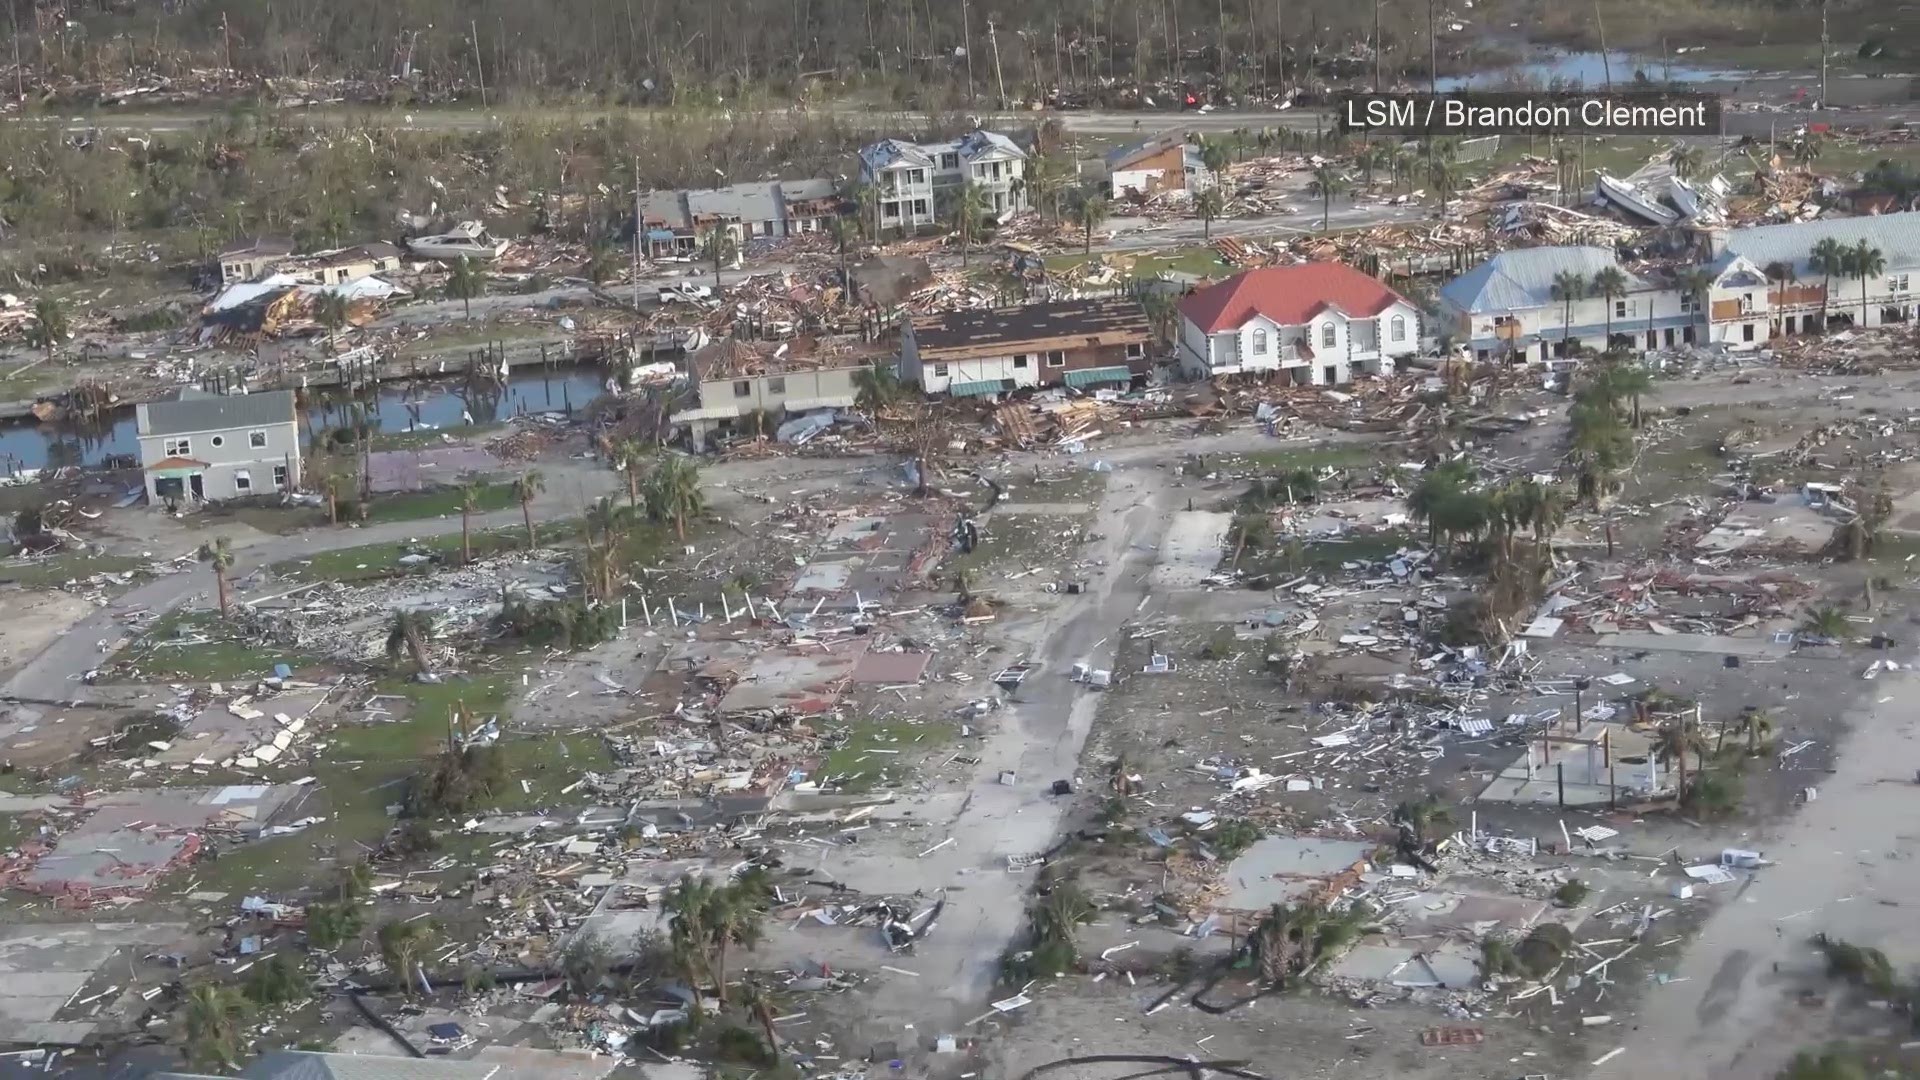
(999, 80)
(1606, 63)
(1433, 51)
(19, 75)
(638, 228)
(226, 35)
(1823, 54)
(966, 40)
(478, 75)
(1376, 51)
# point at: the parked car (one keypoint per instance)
(685, 292)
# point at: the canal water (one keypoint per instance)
(398, 406)
(1587, 70)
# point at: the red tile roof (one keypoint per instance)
(1289, 295)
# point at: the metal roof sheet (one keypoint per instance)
(194, 411)
(1523, 278)
(1896, 235)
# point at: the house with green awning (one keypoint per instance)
(981, 352)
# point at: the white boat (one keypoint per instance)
(467, 240)
(1629, 198)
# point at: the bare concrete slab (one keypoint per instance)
(1280, 869)
(1192, 549)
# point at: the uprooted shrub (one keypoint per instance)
(566, 625)
(1862, 966)
(458, 780)
(1544, 949)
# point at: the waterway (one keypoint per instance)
(1586, 70)
(398, 406)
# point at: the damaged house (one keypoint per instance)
(913, 179)
(1318, 324)
(248, 259)
(1792, 301)
(674, 223)
(1508, 307)
(985, 351)
(751, 380)
(1165, 162)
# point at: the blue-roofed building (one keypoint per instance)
(1508, 307)
(912, 177)
(1797, 292)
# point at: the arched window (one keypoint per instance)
(1259, 343)
(1328, 336)
(1397, 329)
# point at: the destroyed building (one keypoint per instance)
(253, 256)
(1072, 343)
(1165, 162)
(741, 379)
(1318, 324)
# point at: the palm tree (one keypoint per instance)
(719, 246)
(1214, 157)
(673, 494)
(1685, 161)
(330, 311)
(1628, 380)
(1806, 149)
(1160, 309)
(1209, 204)
(1609, 284)
(608, 517)
(1547, 510)
(1327, 185)
(1678, 738)
(1694, 282)
(1829, 260)
(464, 282)
(969, 205)
(1865, 261)
(529, 484)
(49, 327)
(218, 553)
(1046, 177)
(1375, 157)
(687, 905)
(402, 946)
(1826, 622)
(1446, 177)
(630, 456)
(1092, 211)
(410, 630)
(1757, 725)
(334, 482)
(876, 386)
(600, 265)
(1599, 447)
(843, 230)
(733, 918)
(1568, 286)
(866, 217)
(214, 1014)
(757, 1002)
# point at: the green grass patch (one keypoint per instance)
(881, 753)
(60, 569)
(203, 646)
(372, 562)
(1200, 261)
(441, 502)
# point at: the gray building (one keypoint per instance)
(912, 177)
(677, 221)
(203, 447)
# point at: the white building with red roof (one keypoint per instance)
(1320, 324)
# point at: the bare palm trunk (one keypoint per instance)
(633, 487)
(466, 541)
(526, 513)
(720, 972)
(333, 506)
(220, 585)
(418, 650)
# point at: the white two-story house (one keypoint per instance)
(1318, 324)
(1507, 307)
(914, 179)
(1795, 294)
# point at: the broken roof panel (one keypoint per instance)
(1107, 321)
